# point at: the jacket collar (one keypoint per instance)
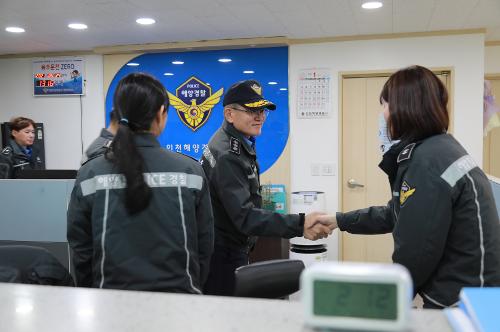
(231, 131)
(389, 163)
(17, 149)
(146, 140)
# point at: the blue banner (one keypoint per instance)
(197, 81)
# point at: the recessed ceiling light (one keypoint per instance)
(224, 60)
(14, 29)
(283, 89)
(132, 64)
(168, 74)
(272, 83)
(77, 26)
(248, 72)
(177, 62)
(145, 21)
(372, 4)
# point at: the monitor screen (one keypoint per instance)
(46, 174)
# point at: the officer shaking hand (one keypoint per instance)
(230, 163)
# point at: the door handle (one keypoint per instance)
(353, 184)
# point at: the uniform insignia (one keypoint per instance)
(405, 154)
(235, 145)
(7, 151)
(257, 88)
(194, 102)
(405, 193)
(260, 103)
(209, 156)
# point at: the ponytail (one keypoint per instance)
(130, 163)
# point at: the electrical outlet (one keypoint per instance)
(315, 169)
(328, 169)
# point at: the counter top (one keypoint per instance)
(62, 309)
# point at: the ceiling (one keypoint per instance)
(112, 22)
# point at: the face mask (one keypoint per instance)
(383, 136)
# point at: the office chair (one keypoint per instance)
(32, 265)
(269, 279)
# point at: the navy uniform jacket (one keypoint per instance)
(233, 174)
(166, 247)
(14, 159)
(442, 216)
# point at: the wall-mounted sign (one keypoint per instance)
(196, 82)
(58, 76)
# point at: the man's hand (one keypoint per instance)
(318, 225)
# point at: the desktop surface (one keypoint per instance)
(51, 308)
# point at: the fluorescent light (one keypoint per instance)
(272, 83)
(372, 4)
(177, 62)
(77, 26)
(14, 29)
(145, 21)
(132, 64)
(248, 72)
(224, 60)
(168, 74)
(283, 89)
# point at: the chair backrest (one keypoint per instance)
(269, 279)
(32, 265)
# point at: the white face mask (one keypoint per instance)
(383, 135)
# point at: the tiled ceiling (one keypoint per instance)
(112, 22)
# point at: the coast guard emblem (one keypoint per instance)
(405, 192)
(194, 101)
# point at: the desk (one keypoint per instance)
(63, 309)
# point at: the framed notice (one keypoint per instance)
(58, 76)
(313, 94)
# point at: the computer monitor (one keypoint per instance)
(46, 174)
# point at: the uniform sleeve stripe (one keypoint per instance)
(154, 180)
(458, 169)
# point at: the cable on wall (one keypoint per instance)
(81, 123)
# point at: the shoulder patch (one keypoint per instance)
(405, 154)
(208, 156)
(235, 145)
(6, 151)
(405, 193)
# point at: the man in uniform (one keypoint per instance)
(103, 142)
(230, 163)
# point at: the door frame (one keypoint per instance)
(450, 71)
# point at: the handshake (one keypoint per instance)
(319, 225)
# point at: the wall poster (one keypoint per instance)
(58, 76)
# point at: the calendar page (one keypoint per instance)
(313, 94)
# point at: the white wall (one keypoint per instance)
(492, 60)
(61, 116)
(317, 141)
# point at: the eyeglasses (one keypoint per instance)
(262, 112)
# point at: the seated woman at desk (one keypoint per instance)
(140, 216)
(20, 153)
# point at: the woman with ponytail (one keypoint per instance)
(140, 216)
